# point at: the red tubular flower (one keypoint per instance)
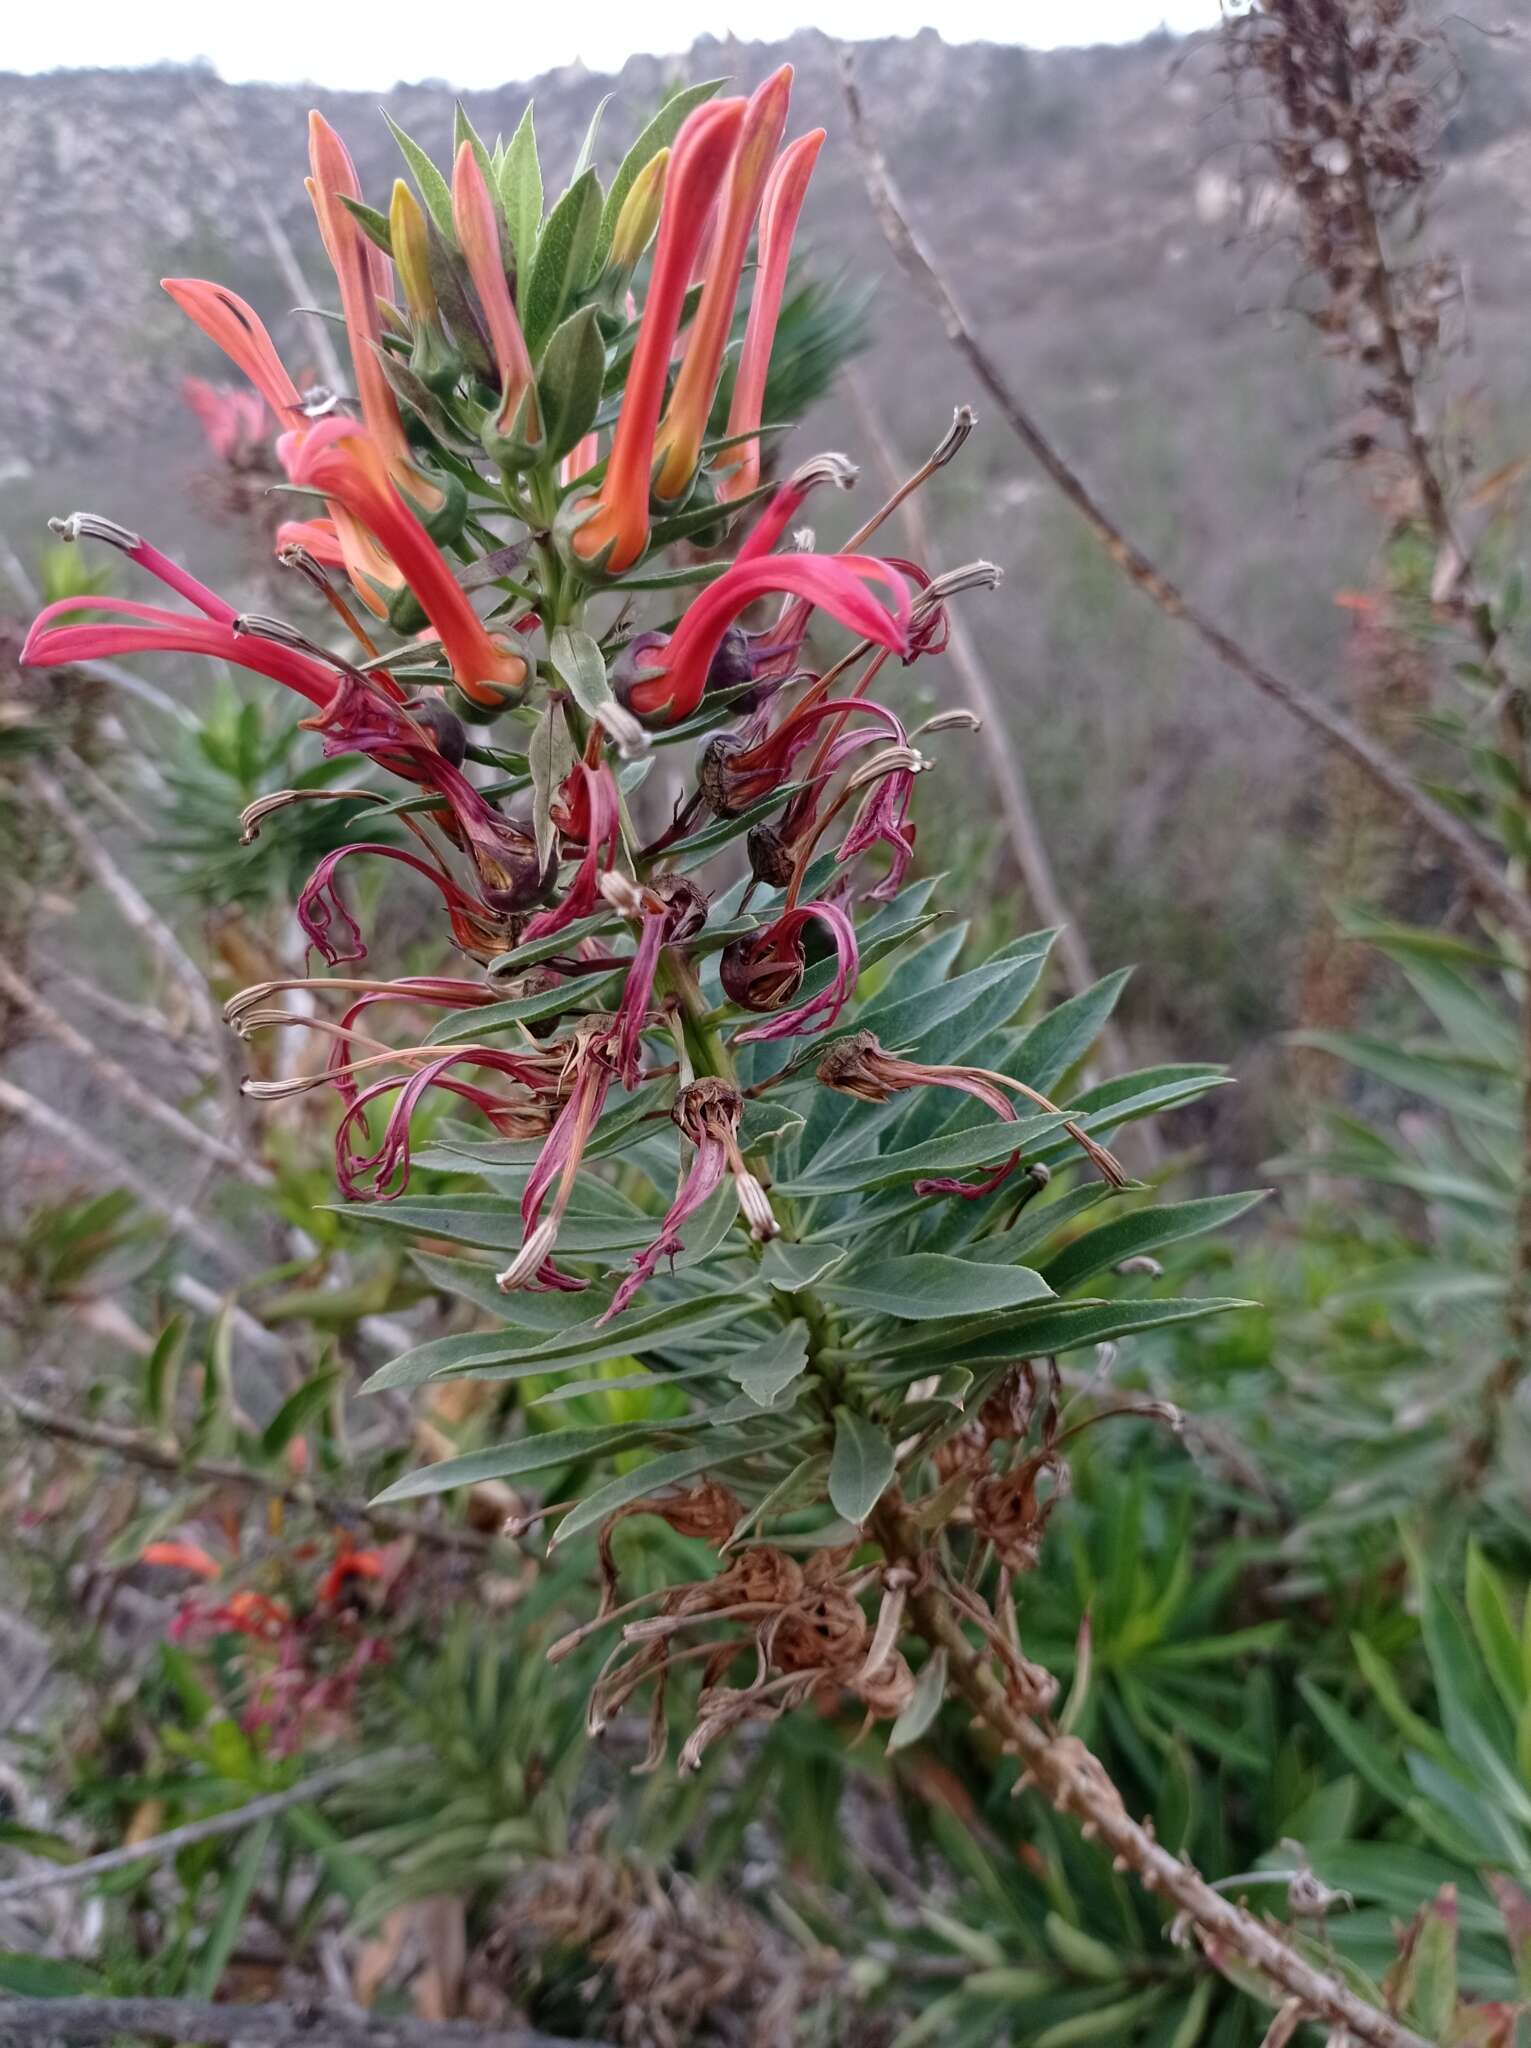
(150, 629)
(588, 811)
(707, 1112)
(225, 319)
(321, 902)
(383, 1175)
(766, 969)
(685, 422)
(478, 230)
(613, 528)
(361, 271)
(739, 468)
(320, 537)
(559, 1161)
(672, 678)
(340, 460)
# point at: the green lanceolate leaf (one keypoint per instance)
(860, 1466)
(298, 1411)
(924, 1704)
(581, 667)
(930, 1286)
(563, 255)
(543, 1452)
(374, 225)
(586, 155)
(550, 755)
(764, 1372)
(1069, 1325)
(1145, 1230)
(434, 189)
(792, 1267)
(569, 382)
(505, 1355)
(520, 183)
(1063, 1037)
(658, 135)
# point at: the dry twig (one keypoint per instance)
(137, 1449)
(1472, 861)
(87, 2021)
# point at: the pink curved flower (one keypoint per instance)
(383, 1175)
(672, 678)
(590, 812)
(557, 1167)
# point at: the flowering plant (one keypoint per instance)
(835, 1209)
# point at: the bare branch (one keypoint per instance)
(110, 1165)
(126, 1086)
(1472, 861)
(137, 1449)
(84, 2022)
(230, 1822)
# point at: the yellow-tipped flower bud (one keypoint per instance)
(640, 213)
(411, 251)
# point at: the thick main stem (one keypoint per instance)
(1077, 1784)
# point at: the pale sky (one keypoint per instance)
(371, 44)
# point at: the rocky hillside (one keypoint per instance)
(1090, 207)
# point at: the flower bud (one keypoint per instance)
(640, 213)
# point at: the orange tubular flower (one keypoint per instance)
(615, 525)
(339, 458)
(359, 271)
(478, 230)
(779, 211)
(685, 423)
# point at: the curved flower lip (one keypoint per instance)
(685, 422)
(338, 458)
(739, 469)
(239, 331)
(388, 1167)
(478, 230)
(613, 530)
(318, 536)
(321, 899)
(362, 275)
(673, 684)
